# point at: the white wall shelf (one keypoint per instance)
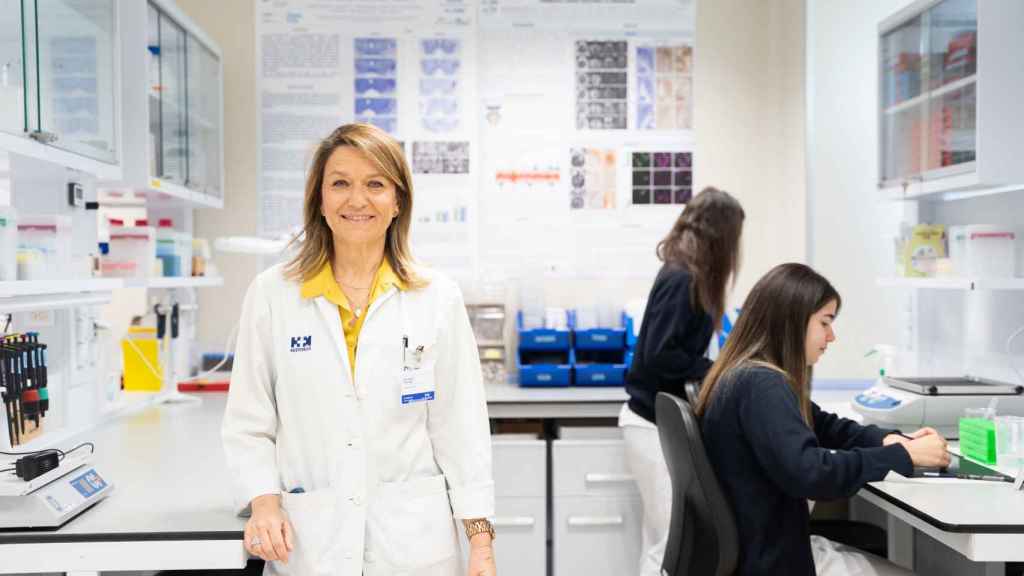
(158, 191)
(23, 288)
(31, 148)
(954, 283)
(28, 303)
(174, 282)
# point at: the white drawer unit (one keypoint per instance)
(591, 468)
(597, 513)
(521, 528)
(520, 466)
(597, 536)
(520, 519)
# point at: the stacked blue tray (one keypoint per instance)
(601, 355)
(544, 356)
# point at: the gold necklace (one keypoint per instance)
(350, 286)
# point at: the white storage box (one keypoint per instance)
(174, 249)
(983, 250)
(8, 244)
(132, 252)
(44, 247)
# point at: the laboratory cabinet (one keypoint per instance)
(520, 506)
(949, 114)
(174, 89)
(59, 79)
(597, 513)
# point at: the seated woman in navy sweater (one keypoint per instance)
(773, 449)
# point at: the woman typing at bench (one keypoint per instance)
(773, 449)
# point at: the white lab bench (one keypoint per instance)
(171, 508)
(508, 400)
(979, 521)
(982, 521)
(172, 504)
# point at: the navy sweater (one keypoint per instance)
(769, 463)
(670, 347)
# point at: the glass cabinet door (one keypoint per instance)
(77, 76)
(173, 127)
(904, 101)
(13, 111)
(204, 137)
(953, 64)
(154, 146)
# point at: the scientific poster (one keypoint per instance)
(532, 127)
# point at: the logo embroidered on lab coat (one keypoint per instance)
(301, 343)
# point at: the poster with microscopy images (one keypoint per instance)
(592, 178)
(440, 83)
(662, 178)
(376, 82)
(664, 87)
(440, 157)
(601, 84)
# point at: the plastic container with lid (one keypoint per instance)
(44, 247)
(174, 249)
(983, 250)
(8, 244)
(131, 252)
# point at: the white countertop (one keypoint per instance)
(169, 475)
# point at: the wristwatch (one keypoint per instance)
(474, 527)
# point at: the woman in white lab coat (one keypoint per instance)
(356, 422)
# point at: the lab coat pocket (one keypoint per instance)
(311, 515)
(412, 526)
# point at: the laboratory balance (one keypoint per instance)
(911, 403)
(49, 501)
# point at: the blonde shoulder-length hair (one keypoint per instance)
(316, 246)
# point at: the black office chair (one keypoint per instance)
(702, 536)
(692, 389)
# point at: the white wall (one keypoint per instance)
(748, 118)
(231, 24)
(845, 219)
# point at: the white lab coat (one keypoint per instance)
(380, 479)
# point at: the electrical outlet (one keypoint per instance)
(76, 195)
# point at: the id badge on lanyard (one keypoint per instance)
(416, 382)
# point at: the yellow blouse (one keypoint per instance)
(324, 284)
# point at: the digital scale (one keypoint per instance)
(52, 499)
(911, 403)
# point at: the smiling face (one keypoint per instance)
(357, 200)
(819, 332)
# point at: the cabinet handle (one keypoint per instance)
(43, 136)
(514, 521)
(599, 478)
(596, 521)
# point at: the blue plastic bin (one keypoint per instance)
(536, 375)
(543, 338)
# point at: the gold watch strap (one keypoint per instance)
(474, 527)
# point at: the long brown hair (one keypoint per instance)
(316, 246)
(705, 240)
(771, 331)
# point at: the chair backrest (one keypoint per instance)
(692, 388)
(702, 536)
